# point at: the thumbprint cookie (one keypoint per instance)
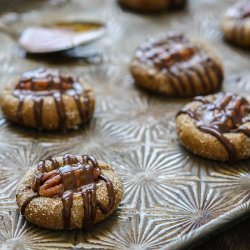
(174, 65)
(69, 192)
(236, 24)
(216, 127)
(49, 100)
(152, 5)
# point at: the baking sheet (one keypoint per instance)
(171, 197)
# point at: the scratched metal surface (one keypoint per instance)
(171, 197)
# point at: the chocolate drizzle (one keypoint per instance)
(27, 202)
(76, 177)
(168, 51)
(152, 5)
(41, 83)
(176, 55)
(227, 113)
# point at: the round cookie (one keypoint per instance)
(69, 192)
(46, 99)
(216, 127)
(176, 66)
(236, 24)
(152, 5)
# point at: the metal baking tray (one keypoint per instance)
(172, 198)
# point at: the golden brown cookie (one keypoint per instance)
(46, 99)
(216, 127)
(174, 65)
(70, 192)
(236, 24)
(152, 5)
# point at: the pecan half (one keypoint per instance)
(55, 182)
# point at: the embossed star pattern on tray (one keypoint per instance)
(170, 194)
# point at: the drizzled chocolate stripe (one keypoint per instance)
(227, 144)
(110, 194)
(42, 166)
(60, 110)
(244, 130)
(181, 84)
(172, 83)
(152, 5)
(90, 205)
(86, 106)
(226, 114)
(38, 111)
(216, 69)
(69, 182)
(79, 107)
(201, 99)
(176, 3)
(190, 81)
(67, 201)
(206, 74)
(55, 163)
(27, 202)
(195, 74)
(69, 159)
(19, 115)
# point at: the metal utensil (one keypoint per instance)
(57, 36)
